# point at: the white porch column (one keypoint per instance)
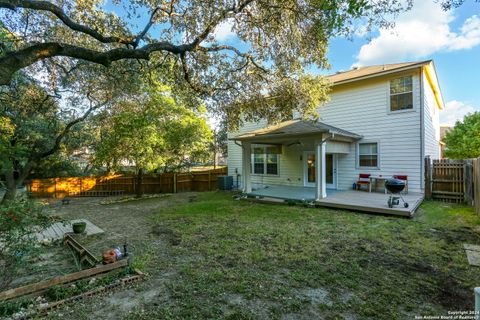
(320, 170)
(246, 166)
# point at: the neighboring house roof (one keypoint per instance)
(294, 128)
(444, 130)
(362, 73)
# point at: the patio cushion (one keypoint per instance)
(363, 178)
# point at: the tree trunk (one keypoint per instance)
(11, 185)
(9, 195)
(139, 187)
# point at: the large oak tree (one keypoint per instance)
(259, 75)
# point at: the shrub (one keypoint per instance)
(19, 220)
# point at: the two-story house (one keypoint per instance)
(381, 120)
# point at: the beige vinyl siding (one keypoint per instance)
(234, 157)
(364, 108)
(290, 167)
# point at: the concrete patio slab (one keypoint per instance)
(473, 257)
(471, 247)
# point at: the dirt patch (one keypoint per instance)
(451, 294)
(452, 236)
(454, 296)
(171, 236)
(317, 296)
(257, 307)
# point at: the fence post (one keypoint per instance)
(81, 186)
(468, 182)
(209, 180)
(174, 183)
(476, 184)
(428, 178)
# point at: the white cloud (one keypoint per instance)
(418, 33)
(224, 31)
(455, 110)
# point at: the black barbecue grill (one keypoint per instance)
(394, 188)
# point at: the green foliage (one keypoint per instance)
(304, 95)
(8, 308)
(463, 141)
(155, 132)
(28, 122)
(264, 72)
(57, 165)
(18, 221)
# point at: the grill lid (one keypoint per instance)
(395, 182)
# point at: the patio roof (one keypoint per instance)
(295, 128)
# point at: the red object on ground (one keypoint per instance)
(109, 256)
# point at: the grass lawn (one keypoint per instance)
(216, 257)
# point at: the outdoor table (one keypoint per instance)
(376, 179)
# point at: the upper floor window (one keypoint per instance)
(265, 160)
(368, 155)
(401, 94)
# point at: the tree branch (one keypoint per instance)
(60, 14)
(142, 34)
(247, 56)
(67, 129)
(14, 61)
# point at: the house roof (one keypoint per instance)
(377, 70)
(444, 130)
(294, 128)
(362, 73)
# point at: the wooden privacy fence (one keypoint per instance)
(450, 180)
(125, 184)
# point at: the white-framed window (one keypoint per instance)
(265, 160)
(368, 155)
(401, 94)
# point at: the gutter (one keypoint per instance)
(254, 138)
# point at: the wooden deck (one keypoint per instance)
(57, 230)
(350, 199)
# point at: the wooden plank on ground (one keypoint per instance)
(31, 288)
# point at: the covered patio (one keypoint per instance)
(314, 136)
(348, 199)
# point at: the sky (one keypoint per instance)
(450, 38)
